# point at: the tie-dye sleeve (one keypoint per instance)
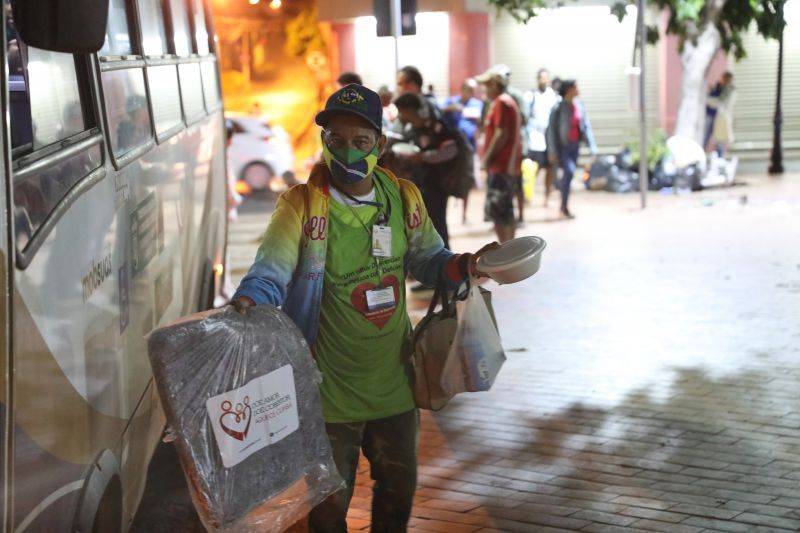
(276, 260)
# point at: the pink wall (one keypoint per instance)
(670, 74)
(469, 47)
(346, 44)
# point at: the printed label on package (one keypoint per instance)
(249, 418)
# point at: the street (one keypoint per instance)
(651, 381)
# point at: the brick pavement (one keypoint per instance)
(652, 377)
(651, 382)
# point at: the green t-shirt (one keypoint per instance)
(362, 354)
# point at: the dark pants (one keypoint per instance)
(569, 163)
(436, 203)
(390, 446)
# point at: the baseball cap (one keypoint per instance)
(493, 74)
(356, 100)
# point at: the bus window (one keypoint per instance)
(191, 91)
(210, 85)
(154, 34)
(45, 98)
(118, 40)
(181, 34)
(166, 98)
(126, 109)
(49, 111)
(200, 31)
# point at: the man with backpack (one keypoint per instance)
(443, 165)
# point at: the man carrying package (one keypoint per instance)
(335, 256)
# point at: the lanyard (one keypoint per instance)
(383, 217)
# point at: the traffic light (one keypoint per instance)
(383, 12)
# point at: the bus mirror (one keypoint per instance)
(74, 27)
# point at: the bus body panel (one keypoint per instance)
(82, 374)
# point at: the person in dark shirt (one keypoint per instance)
(438, 149)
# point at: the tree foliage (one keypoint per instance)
(687, 18)
(732, 18)
(520, 10)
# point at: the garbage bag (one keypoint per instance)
(476, 355)
(240, 392)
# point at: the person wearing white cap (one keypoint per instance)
(501, 154)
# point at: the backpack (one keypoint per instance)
(460, 177)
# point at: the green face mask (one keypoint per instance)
(350, 165)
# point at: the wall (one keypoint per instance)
(469, 47)
(428, 50)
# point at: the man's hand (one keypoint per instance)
(411, 158)
(242, 303)
(473, 262)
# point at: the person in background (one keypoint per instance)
(502, 154)
(438, 149)
(519, 99)
(556, 85)
(409, 80)
(319, 261)
(719, 115)
(346, 78)
(541, 102)
(569, 127)
(463, 112)
(389, 109)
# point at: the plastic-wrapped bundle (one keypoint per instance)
(240, 392)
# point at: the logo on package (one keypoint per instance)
(236, 422)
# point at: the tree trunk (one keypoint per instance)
(696, 59)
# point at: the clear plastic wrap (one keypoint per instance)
(240, 392)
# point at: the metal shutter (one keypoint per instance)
(755, 81)
(588, 44)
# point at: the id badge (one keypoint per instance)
(381, 241)
(380, 298)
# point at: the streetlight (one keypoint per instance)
(275, 4)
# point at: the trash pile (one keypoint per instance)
(683, 167)
(241, 396)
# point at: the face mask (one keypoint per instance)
(349, 165)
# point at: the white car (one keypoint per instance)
(260, 154)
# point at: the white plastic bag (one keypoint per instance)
(477, 354)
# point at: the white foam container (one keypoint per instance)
(514, 260)
(405, 149)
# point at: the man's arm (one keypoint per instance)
(445, 152)
(277, 257)
(500, 136)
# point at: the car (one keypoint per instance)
(259, 155)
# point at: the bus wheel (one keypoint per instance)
(109, 514)
(100, 503)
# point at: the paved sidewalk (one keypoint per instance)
(651, 383)
(652, 376)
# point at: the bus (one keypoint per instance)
(112, 223)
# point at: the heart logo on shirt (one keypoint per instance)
(359, 300)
